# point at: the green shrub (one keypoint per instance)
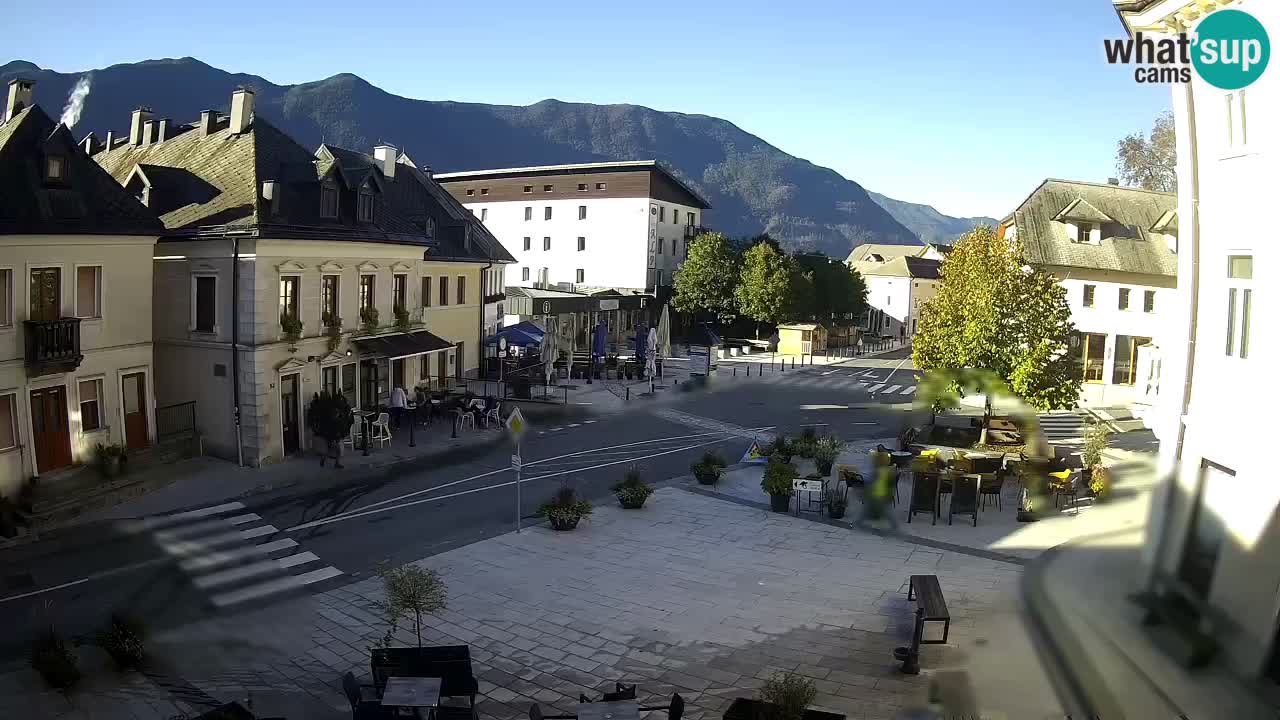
(402, 318)
(110, 459)
(369, 318)
(291, 327)
(123, 640)
(632, 490)
(781, 449)
(789, 694)
(777, 478)
(825, 453)
(713, 458)
(55, 662)
(565, 505)
(1100, 482)
(1096, 436)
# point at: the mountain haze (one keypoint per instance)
(927, 223)
(752, 186)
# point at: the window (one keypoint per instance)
(364, 206)
(91, 405)
(484, 191)
(582, 187)
(528, 188)
(657, 277)
(444, 291)
(329, 300)
(582, 244)
(1237, 127)
(528, 243)
(462, 289)
(1149, 301)
(582, 212)
(1089, 291)
(205, 298)
(528, 213)
(686, 251)
(328, 202)
(54, 168)
(289, 296)
(579, 275)
(1239, 301)
(546, 243)
(546, 213)
(1125, 368)
(366, 292)
(470, 192)
(399, 291)
(661, 245)
(602, 186)
(426, 292)
(675, 216)
(484, 214)
(89, 292)
(548, 188)
(1123, 303)
(6, 298)
(675, 247)
(662, 213)
(1084, 232)
(524, 274)
(691, 218)
(329, 380)
(1093, 349)
(8, 422)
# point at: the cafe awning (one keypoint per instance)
(402, 345)
(523, 334)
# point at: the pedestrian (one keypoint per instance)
(398, 404)
(875, 504)
(859, 343)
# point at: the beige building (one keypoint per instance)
(380, 268)
(898, 286)
(76, 364)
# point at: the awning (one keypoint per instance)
(516, 336)
(402, 345)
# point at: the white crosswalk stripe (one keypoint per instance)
(875, 388)
(706, 423)
(838, 380)
(892, 389)
(908, 390)
(234, 555)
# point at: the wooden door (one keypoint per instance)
(46, 294)
(49, 431)
(133, 392)
(289, 412)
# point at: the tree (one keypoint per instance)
(706, 281)
(995, 314)
(839, 292)
(1150, 163)
(767, 285)
(411, 592)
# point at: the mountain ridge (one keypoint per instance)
(753, 186)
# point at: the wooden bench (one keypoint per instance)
(931, 606)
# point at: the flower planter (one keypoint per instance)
(707, 478)
(823, 468)
(780, 503)
(835, 514)
(631, 504)
(748, 709)
(564, 523)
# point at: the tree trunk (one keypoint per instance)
(757, 331)
(986, 420)
(417, 626)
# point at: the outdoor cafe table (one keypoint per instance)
(901, 458)
(412, 693)
(617, 710)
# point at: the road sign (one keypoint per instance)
(753, 454)
(515, 461)
(516, 424)
(502, 344)
(806, 485)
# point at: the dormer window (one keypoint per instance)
(1084, 232)
(429, 225)
(364, 206)
(54, 168)
(328, 201)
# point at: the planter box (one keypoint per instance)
(564, 525)
(780, 503)
(747, 709)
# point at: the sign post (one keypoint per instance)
(516, 427)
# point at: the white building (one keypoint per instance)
(594, 225)
(897, 287)
(1114, 250)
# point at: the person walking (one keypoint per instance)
(398, 405)
(859, 343)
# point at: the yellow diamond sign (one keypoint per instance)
(516, 424)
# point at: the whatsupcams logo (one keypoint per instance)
(1229, 50)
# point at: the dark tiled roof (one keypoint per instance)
(1128, 243)
(901, 266)
(866, 250)
(88, 201)
(206, 185)
(483, 243)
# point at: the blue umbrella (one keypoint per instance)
(601, 337)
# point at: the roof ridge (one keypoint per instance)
(1107, 185)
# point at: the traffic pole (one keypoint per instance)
(518, 469)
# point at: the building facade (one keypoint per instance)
(1114, 251)
(897, 287)
(595, 225)
(285, 272)
(76, 366)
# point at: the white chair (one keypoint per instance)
(464, 418)
(381, 430)
(494, 416)
(353, 435)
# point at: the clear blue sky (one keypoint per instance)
(962, 105)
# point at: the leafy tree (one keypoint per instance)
(1001, 322)
(411, 592)
(767, 285)
(839, 292)
(706, 281)
(1150, 162)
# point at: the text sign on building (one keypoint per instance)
(609, 304)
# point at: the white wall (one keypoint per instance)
(892, 295)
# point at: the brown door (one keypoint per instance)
(133, 388)
(46, 294)
(49, 428)
(289, 412)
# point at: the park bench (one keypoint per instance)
(931, 606)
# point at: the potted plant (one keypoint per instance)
(291, 327)
(1096, 436)
(781, 449)
(1100, 482)
(806, 443)
(705, 473)
(411, 592)
(123, 641)
(850, 476)
(564, 509)
(55, 662)
(784, 696)
(402, 318)
(713, 458)
(369, 319)
(333, 330)
(632, 491)
(837, 503)
(825, 452)
(777, 484)
(110, 459)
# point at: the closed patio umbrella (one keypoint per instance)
(550, 347)
(651, 352)
(664, 332)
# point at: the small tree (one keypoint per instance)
(411, 592)
(768, 285)
(1150, 162)
(706, 281)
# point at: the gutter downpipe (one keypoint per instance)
(480, 351)
(235, 347)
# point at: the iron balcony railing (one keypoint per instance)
(52, 345)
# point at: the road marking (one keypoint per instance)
(897, 368)
(202, 527)
(275, 586)
(828, 373)
(861, 386)
(159, 521)
(212, 560)
(875, 388)
(192, 547)
(908, 390)
(253, 570)
(45, 590)
(893, 389)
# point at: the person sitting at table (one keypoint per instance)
(424, 404)
(398, 404)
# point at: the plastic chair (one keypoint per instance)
(381, 429)
(463, 418)
(353, 434)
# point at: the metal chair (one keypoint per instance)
(381, 429)
(621, 692)
(363, 698)
(675, 710)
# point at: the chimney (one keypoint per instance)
(140, 116)
(241, 110)
(426, 170)
(162, 130)
(148, 132)
(20, 91)
(209, 122)
(271, 194)
(386, 157)
(1113, 181)
(89, 144)
(111, 139)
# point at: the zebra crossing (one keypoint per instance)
(858, 380)
(1062, 426)
(233, 556)
(705, 423)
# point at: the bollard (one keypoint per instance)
(735, 372)
(413, 420)
(364, 435)
(628, 392)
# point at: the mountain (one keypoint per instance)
(927, 223)
(753, 186)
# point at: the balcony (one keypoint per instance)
(693, 231)
(52, 346)
(495, 297)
